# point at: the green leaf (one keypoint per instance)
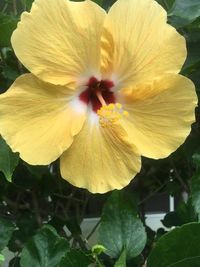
(26, 226)
(120, 227)
(75, 258)
(178, 248)
(10, 73)
(196, 159)
(8, 160)
(99, 2)
(45, 249)
(73, 226)
(7, 25)
(6, 230)
(2, 258)
(195, 192)
(37, 171)
(27, 4)
(98, 249)
(184, 12)
(192, 63)
(184, 214)
(106, 4)
(122, 260)
(167, 4)
(15, 262)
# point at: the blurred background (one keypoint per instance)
(165, 191)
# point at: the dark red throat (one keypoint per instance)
(89, 96)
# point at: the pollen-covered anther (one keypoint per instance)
(110, 114)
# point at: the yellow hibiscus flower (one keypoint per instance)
(103, 90)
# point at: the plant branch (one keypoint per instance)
(36, 208)
(67, 197)
(152, 193)
(93, 230)
(179, 178)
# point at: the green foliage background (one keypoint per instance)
(37, 205)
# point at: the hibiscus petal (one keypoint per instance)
(160, 122)
(138, 44)
(100, 159)
(61, 39)
(38, 119)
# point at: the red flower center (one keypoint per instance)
(95, 91)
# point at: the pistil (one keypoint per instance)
(100, 97)
(98, 93)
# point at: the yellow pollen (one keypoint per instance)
(109, 114)
(125, 113)
(111, 107)
(118, 105)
